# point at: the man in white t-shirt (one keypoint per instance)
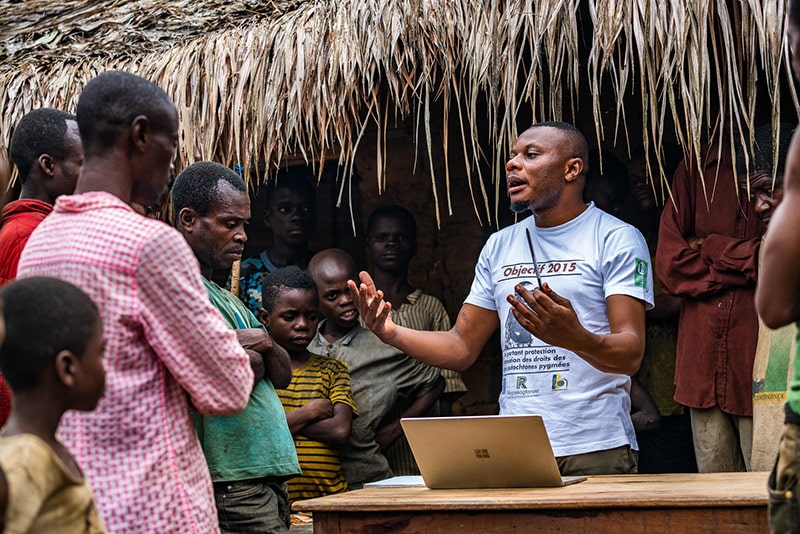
(569, 347)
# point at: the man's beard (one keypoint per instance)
(519, 207)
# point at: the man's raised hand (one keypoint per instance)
(374, 310)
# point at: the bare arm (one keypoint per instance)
(778, 290)
(456, 349)
(644, 412)
(311, 412)
(278, 367)
(257, 364)
(275, 365)
(333, 430)
(391, 431)
(551, 318)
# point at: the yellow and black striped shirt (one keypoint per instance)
(327, 378)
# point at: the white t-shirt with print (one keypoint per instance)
(585, 260)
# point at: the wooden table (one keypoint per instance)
(627, 504)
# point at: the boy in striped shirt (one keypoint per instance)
(318, 403)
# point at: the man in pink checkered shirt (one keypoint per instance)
(166, 345)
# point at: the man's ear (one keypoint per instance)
(47, 164)
(267, 222)
(140, 132)
(575, 168)
(263, 317)
(187, 218)
(65, 365)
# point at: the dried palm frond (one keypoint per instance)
(258, 81)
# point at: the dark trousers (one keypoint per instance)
(257, 506)
(669, 448)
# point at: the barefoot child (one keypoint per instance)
(318, 403)
(52, 359)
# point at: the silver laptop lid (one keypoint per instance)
(497, 451)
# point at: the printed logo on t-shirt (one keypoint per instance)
(559, 382)
(640, 275)
(534, 370)
(516, 335)
(519, 385)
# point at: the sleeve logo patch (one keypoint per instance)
(640, 275)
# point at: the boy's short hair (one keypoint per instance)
(285, 278)
(294, 179)
(393, 211)
(43, 316)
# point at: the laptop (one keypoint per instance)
(492, 451)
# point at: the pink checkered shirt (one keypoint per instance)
(164, 340)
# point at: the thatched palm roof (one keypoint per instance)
(257, 80)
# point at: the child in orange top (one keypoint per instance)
(52, 359)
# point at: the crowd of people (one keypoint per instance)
(138, 395)
(207, 412)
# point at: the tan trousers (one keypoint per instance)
(722, 442)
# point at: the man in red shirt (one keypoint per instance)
(46, 148)
(707, 254)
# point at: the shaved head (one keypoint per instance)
(332, 257)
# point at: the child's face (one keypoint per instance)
(391, 245)
(291, 216)
(91, 372)
(292, 322)
(336, 303)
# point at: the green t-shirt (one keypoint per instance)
(793, 395)
(256, 442)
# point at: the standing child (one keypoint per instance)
(291, 215)
(52, 359)
(318, 403)
(391, 245)
(381, 375)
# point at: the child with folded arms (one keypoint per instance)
(318, 403)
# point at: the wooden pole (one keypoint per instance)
(235, 277)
